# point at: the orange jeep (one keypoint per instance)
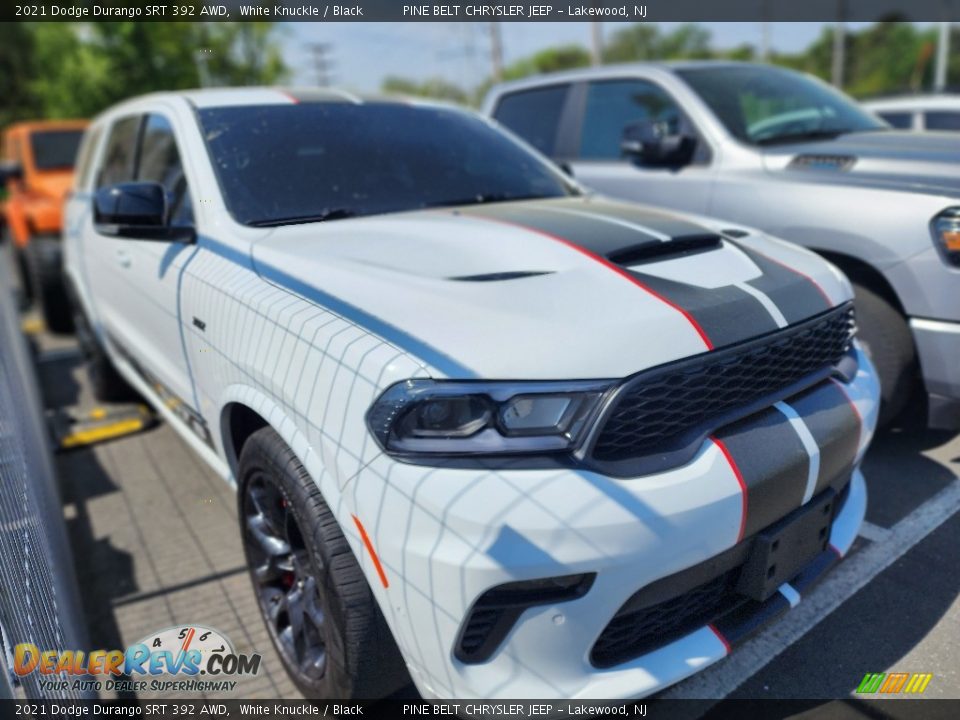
(37, 169)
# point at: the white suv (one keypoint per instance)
(488, 432)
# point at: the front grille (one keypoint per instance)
(631, 634)
(677, 405)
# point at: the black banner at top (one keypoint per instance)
(480, 11)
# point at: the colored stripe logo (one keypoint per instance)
(892, 683)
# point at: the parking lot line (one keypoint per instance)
(849, 577)
(873, 533)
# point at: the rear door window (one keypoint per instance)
(534, 115)
(942, 120)
(120, 154)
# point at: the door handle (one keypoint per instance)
(123, 258)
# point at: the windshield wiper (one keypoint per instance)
(800, 137)
(331, 214)
(483, 198)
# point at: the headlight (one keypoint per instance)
(475, 418)
(946, 234)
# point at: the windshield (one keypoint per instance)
(55, 149)
(764, 105)
(281, 164)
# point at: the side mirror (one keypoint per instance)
(136, 210)
(650, 143)
(10, 170)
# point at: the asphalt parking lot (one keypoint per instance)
(156, 544)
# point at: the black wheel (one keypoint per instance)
(887, 339)
(315, 601)
(107, 384)
(46, 278)
(26, 283)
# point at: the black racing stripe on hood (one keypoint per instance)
(660, 222)
(835, 425)
(727, 314)
(594, 234)
(796, 295)
(773, 464)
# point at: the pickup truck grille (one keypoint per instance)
(667, 409)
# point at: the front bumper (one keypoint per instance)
(938, 346)
(446, 536)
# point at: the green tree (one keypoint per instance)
(436, 88)
(78, 69)
(646, 42)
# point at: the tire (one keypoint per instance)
(887, 339)
(298, 557)
(46, 278)
(107, 384)
(26, 283)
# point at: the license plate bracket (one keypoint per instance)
(783, 549)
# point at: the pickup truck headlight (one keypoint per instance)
(431, 417)
(946, 234)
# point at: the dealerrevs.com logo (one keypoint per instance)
(189, 658)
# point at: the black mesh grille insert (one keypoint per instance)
(631, 634)
(666, 408)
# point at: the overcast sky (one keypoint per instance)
(363, 53)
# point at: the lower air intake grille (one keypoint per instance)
(631, 634)
(669, 408)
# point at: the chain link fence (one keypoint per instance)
(39, 602)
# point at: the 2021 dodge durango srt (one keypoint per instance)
(786, 153)
(488, 432)
(37, 170)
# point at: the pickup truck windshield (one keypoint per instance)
(284, 164)
(55, 149)
(768, 105)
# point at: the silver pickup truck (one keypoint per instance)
(787, 154)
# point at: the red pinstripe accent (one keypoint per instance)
(606, 263)
(720, 637)
(743, 486)
(373, 553)
(289, 96)
(797, 272)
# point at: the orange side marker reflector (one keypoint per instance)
(373, 553)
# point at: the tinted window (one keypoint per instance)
(901, 120)
(611, 106)
(534, 115)
(119, 156)
(279, 163)
(85, 158)
(160, 163)
(942, 120)
(55, 149)
(765, 105)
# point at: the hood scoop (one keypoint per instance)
(501, 276)
(653, 252)
(836, 163)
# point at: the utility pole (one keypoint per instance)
(839, 46)
(200, 56)
(322, 62)
(496, 51)
(764, 42)
(943, 53)
(596, 43)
